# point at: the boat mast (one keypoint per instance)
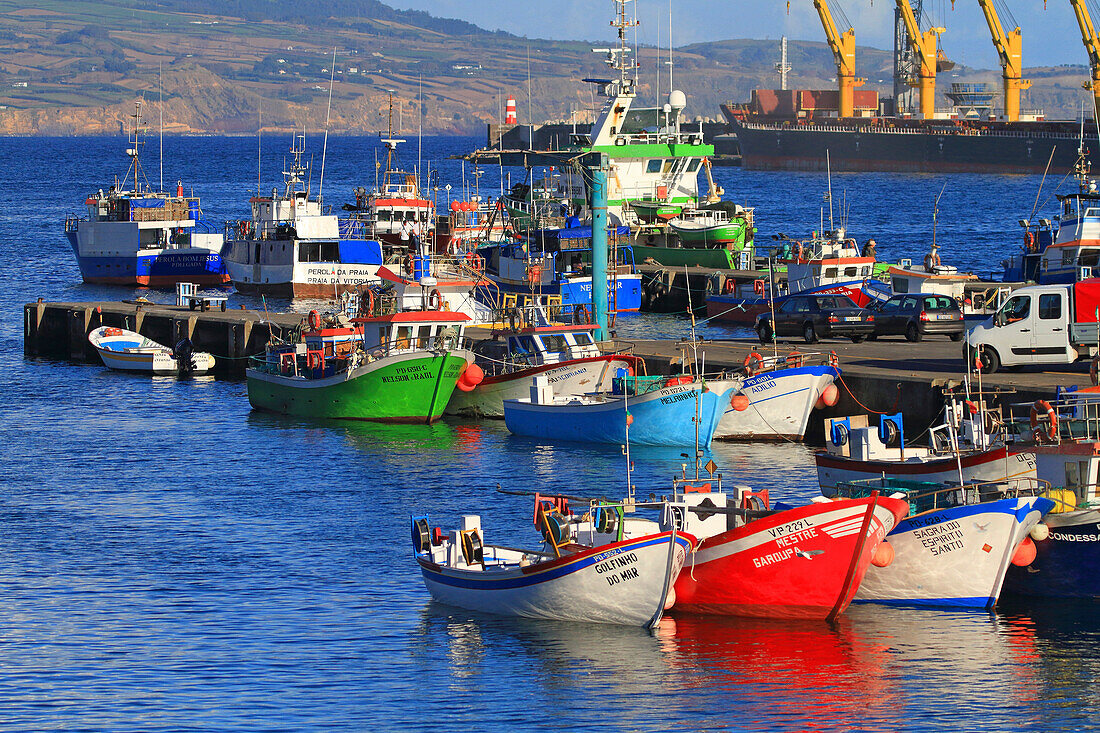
(328, 113)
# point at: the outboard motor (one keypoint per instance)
(183, 351)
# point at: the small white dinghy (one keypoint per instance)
(132, 352)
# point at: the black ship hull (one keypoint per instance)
(1020, 150)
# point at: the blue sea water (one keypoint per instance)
(170, 560)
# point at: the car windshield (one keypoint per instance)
(939, 303)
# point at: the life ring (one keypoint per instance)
(435, 300)
(314, 320)
(1094, 371)
(794, 359)
(242, 230)
(369, 310)
(581, 314)
(758, 287)
(753, 363)
(1029, 241)
(799, 251)
(1038, 410)
(931, 260)
(834, 360)
(475, 261)
(730, 285)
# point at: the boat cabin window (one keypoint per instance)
(900, 285)
(865, 271)
(1068, 255)
(554, 342)
(318, 252)
(583, 338)
(693, 165)
(1050, 306)
(404, 336)
(667, 168)
(1079, 479)
(851, 271)
(831, 272)
(522, 345)
(653, 166)
(1089, 257)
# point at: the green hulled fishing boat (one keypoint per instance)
(401, 367)
(651, 210)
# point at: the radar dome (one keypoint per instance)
(677, 99)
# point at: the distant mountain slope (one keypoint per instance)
(76, 67)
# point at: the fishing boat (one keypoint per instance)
(955, 545)
(291, 248)
(650, 210)
(530, 346)
(966, 448)
(670, 411)
(753, 560)
(557, 263)
(385, 366)
(708, 228)
(144, 237)
(778, 395)
(624, 581)
(720, 235)
(131, 352)
(829, 264)
(443, 282)
(1063, 438)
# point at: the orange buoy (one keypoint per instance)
(883, 555)
(829, 397)
(740, 402)
(794, 359)
(1042, 409)
(314, 320)
(470, 378)
(1025, 553)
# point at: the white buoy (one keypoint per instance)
(1039, 532)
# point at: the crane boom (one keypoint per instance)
(924, 47)
(843, 46)
(1010, 50)
(1092, 46)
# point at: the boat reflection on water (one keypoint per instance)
(985, 670)
(819, 673)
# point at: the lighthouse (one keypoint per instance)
(510, 111)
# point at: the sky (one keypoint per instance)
(1050, 35)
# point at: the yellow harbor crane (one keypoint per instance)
(924, 47)
(843, 46)
(1009, 49)
(1092, 46)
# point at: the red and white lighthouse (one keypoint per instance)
(510, 111)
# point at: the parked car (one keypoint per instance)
(916, 315)
(816, 316)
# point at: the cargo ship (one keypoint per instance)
(790, 130)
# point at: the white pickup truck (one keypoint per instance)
(1040, 324)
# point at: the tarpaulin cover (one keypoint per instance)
(146, 203)
(1086, 300)
(360, 252)
(572, 233)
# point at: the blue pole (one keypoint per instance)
(599, 249)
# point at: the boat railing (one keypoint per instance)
(72, 221)
(295, 360)
(925, 496)
(1077, 419)
(770, 364)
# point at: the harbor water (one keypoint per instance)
(171, 560)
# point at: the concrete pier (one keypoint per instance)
(60, 330)
(884, 376)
